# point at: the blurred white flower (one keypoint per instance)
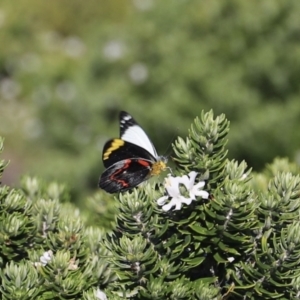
(73, 264)
(244, 176)
(100, 295)
(230, 259)
(173, 190)
(42, 95)
(2, 18)
(143, 5)
(9, 89)
(138, 73)
(66, 91)
(30, 62)
(51, 40)
(33, 128)
(74, 46)
(46, 257)
(114, 50)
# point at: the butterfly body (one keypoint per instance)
(130, 159)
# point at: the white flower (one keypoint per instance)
(46, 257)
(74, 46)
(100, 295)
(172, 187)
(230, 259)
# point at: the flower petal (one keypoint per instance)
(177, 202)
(187, 201)
(193, 175)
(100, 295)
(168, 206)
(162, 200)
(172, 186)
(188, 181)
(203, 194)
(199, 185)
(174, 202)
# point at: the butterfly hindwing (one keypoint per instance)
(124, 175)
(117, 150)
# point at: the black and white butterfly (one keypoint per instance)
(129, 160)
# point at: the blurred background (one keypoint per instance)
(68, 67)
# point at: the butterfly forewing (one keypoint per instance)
(116, 150)
(132, 132)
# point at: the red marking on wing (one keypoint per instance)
(143, 163)
(122, 182)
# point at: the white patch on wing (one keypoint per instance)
(136, 135)
(126, 118)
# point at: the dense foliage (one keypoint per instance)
(240, 240)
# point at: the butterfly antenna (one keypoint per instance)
(169, 149)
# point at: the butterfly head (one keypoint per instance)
(159, 166)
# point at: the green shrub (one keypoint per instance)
(219, 234)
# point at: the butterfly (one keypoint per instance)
(130, 159)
